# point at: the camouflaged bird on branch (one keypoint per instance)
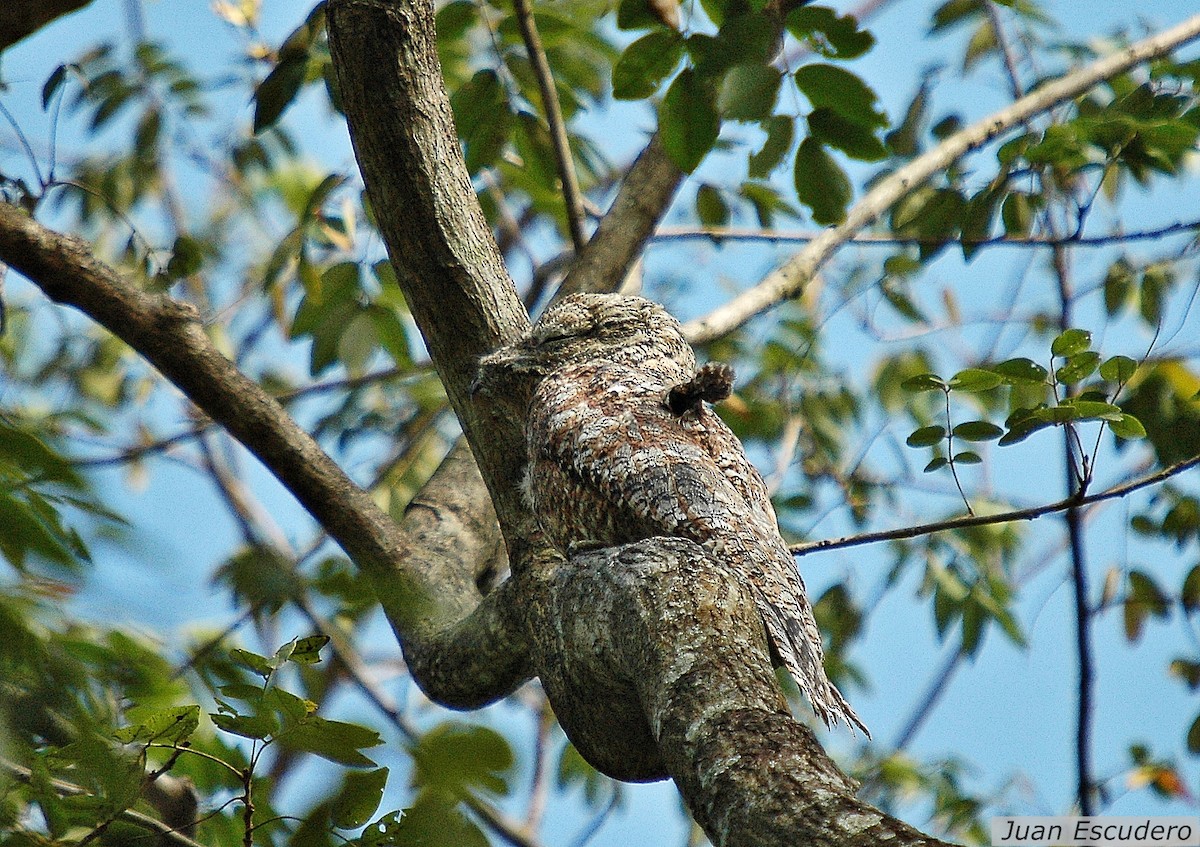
(622, 447)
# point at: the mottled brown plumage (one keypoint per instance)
(622, 447)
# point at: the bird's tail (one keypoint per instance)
(798, 641)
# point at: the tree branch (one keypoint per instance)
(22, 18)
(789, 279)
(731, 233)
(446, 261)
(665, 667)
(426, 600)
(1116, 491)
(642, 200)
(572, 196)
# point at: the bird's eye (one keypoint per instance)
(555, 336)
(564, 332)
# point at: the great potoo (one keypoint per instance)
(622, 447)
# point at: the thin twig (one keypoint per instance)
(554, 118)
(732, 233)
(1076, 484)
(203, 424)
(1000, 517)
(789, 279)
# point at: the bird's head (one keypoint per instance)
(583, 329)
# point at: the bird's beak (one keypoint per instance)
(491, 366)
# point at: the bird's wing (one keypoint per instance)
(607, 427)
(611, 464)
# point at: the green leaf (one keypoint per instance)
(1118, 285)
(636, 14)
(1186, 670)
(821, 184)
(977, 431)
(260, 665)
(187, 257)
(307, 651)
(977, 220)
(1128, 427)
(166, 726)
(1078, 367)
(646, 63)
(936, 464)
(431, 820)
(842, 92)
(1071, 342)
(483, 117)
(688, 119)
(949, 581)
(457, 758)
(1193, 737)
(1189, 594)
(455, 18)
(25, 533)
(780, 130)
(258, 727)
(1018, 371)
(853, 139)
(1017, 214)
(946, 609)
(1156, 281)
(954, 13)
(749, 39)
(52, 84)
(967, 457)
(895, 291)
(1024, 422)
(827, 33)
(34, 457)
(1118, 369)
(359, 797)
(1144, 599)
(926, 436)
(333, 740)
(766, 202)
(924, 382)
(711, 207)
(1095, 410)
(975, 379)
(748, 92)
(973, 619)
(275, 93)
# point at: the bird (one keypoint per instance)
(622, 446)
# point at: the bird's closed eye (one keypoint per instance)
(557, 334)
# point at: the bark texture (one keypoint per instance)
(655, 659)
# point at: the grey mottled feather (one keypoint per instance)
(610, 461)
